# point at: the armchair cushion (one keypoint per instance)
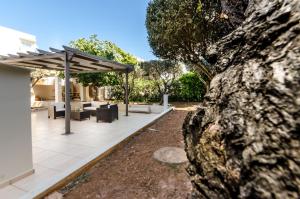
(59, 105)
(61, 109)
(56, 110)
(90, 108)
(94, 104)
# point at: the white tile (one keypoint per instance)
(41, 174)
(80, 151)
(59, 162)
(56, 146)
(11, 192)
(43, 155)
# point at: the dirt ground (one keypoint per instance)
(131, 172)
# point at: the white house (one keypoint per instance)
(15, 125)
(13, 41)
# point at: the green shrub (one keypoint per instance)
(143, 91)
(187, 88)
(191, 87)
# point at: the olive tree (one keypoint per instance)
(183, 30)
(163, 72)
(243, 140)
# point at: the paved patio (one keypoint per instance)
(55, 156)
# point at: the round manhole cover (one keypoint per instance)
(170, 155)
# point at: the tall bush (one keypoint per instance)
(191, 87)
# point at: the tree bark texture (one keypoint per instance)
(244, 139)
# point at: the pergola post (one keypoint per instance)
(126, 92)
(67, 96)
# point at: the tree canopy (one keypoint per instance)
(163, 72)
(107, 50)
(183, 30)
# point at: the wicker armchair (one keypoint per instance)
(56, 110)
(115, 111)
(107, 113)
(92, 107)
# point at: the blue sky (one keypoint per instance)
(57, 22)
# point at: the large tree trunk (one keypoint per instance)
(244, 139)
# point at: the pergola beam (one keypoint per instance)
(12, 56)
(50, 65)
(55, 50)
(43, 51)
(56, 56)
(89, 62)
(30, 58)
(32, 53)
(28, 65)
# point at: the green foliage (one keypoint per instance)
(182, 30)
(107, 50)
(163, 72)
(95, 47)
(191, 87)
(96, 79)
(186, 87)
(147, 83)
(144, 91)
(199, 7)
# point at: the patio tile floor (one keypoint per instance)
(55, 156)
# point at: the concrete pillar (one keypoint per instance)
(166, 101)
(82, 91)
(58, 90)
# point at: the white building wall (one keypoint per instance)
(13, 41)
(15, 124)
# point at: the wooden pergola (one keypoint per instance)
(69, 60)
